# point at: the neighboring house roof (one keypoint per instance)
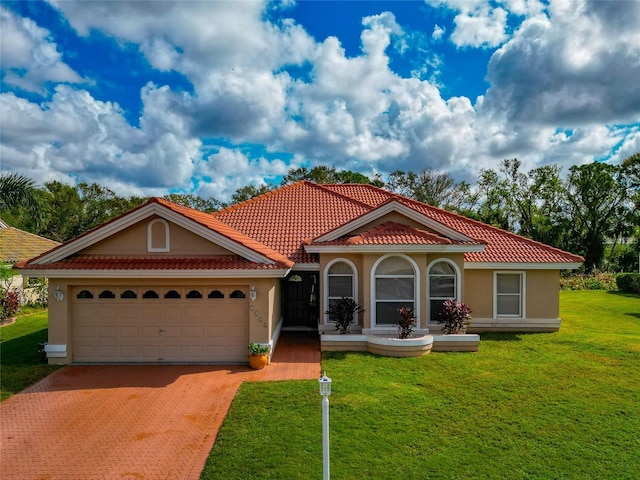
(292, 224)
(16, 245)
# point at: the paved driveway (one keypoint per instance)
(130, 422)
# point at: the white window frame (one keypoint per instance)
(354, 286)
(522, 295)
(416, 288)
(457, 286)
(150, 247)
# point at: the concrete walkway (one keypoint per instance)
(132, 422)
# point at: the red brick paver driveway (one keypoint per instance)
(131, 422)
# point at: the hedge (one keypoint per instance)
(628, 282)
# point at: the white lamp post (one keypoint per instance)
(325, 391)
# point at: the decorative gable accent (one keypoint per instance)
(386, 208)
(158, 236)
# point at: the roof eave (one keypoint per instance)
(153, 273)
(522, 265)
(393, 248)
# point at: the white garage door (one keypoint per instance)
(160, 324)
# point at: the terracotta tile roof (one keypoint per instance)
(391, 233)
(286, 217)
(283, 218)
(278, 224)
(18, 245)
(117, 262)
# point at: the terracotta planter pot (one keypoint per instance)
(258, 361)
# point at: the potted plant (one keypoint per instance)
(406, 323)
(455, 315)
(342, 312)
(258, 355)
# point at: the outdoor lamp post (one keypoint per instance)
(325, 391)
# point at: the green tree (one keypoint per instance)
(433, 187)
(597, 209)
(21, 193)
(193, 201)
(324, 175)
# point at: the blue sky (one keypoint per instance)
(205, 97)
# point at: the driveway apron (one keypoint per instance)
(132, 421)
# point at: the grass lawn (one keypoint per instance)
(526, 406)
(20, 364)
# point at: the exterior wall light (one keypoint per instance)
(58, 294)
(325, 391)
(252, 293)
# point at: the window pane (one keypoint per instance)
(509, 305)
(340, 267)
(340, 286)
(508, 283)
(442, 287)
(387, 312)
(442, 268)
(394, 266)
(394, 288)
(435, 307)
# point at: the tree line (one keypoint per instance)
(594, 211)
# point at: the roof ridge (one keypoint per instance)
(325, 188)
(257, 198)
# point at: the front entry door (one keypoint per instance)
(300, 309)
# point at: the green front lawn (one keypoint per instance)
(20, 364)
(562, 405)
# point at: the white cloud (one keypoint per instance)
(438, 32)
(573, 67)
(29, 58)
(477, 23)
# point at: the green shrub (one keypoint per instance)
(628, 282)
(592, 281)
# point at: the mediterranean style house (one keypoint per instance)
(166, 283)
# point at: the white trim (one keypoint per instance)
(393, 206)
(231, 273)
(354, 279)
(167, 238)
(521, 266)
(306, 267)
(393, 248)
(523, 294)
(416, 290)
(135, 217)
(458, 287)
(55, 351)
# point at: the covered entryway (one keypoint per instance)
(150, 323)
(300, 300)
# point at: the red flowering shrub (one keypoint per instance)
(455, 315)
(9, 303)
(406, 323)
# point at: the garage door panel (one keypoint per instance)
(110, 331)
(160, 330)
(129, 331)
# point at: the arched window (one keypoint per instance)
(107, 294)
(215, 294)
(194, 294)
(158, 236)
(84, 294)
(172, 294)
(128, 294)
(150, 294)
(443, 285)
(340, 281)
(237, 294)
(394, 286)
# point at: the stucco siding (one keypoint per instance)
(133, 241)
